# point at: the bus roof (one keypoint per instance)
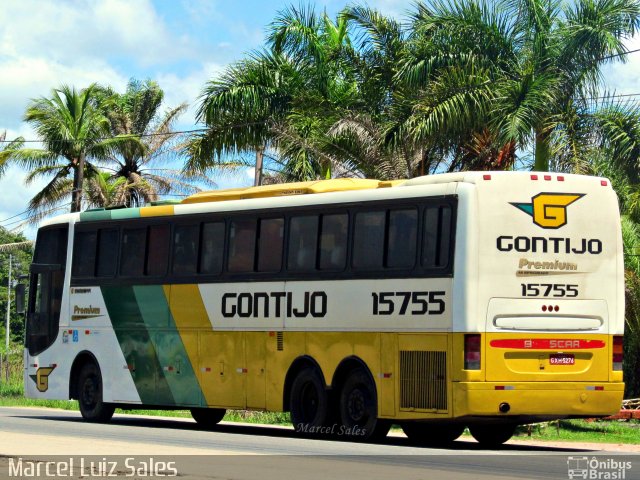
(287, 189)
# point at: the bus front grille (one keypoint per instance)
(423, 380)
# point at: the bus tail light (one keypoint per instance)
(618, 342)
(472, 351)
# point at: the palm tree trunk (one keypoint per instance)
(258, 171)
(543, 152)
(76, 195)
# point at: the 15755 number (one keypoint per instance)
(556, 290)
(408, 303)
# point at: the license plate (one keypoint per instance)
(562, 359)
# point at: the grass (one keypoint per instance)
(596, 431)
(11, 395)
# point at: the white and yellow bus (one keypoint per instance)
(480, 300)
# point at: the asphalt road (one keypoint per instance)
(241, 451)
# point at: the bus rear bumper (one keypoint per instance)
(548, 399)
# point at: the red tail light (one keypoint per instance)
(472, 350)
(618, 344)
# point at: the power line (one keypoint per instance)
(619, 54)
(145, 135)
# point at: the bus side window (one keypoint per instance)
(157, 250)
(242, 245)
(402, 238)
(133, 252)
(84, 254)
(212, 248)
(436, 238)
(270, 244)
(185, 249)
(368, 240)
(303, 239)
(333, 241)
(107, 256)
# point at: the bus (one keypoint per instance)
(479, 300)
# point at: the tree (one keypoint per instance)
(73, 131)
(525, 69)
(20, 262)
(147, 141)
(283, 98)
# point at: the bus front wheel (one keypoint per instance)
(92, 407)
(492, 435)
(309, 402)
(359, 408)
(208, 417)
(432, 434)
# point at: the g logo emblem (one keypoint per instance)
(41, 378)
(549, 210)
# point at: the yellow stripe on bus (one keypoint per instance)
(157, 211)
(190, 317)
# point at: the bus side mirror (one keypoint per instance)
(20, 289)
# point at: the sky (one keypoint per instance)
(178, 43)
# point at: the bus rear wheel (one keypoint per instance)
(309, 402)
(359, 408)
(89, 390)
(492, 435)
(432, 434)
(208, 417)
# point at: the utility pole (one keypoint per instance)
(8, 307)
(258, 176)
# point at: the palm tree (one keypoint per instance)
(283, 98)
(73, 132)
(524, 68)
(6, 147)
(148, 141)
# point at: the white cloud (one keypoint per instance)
(77, 31)
(624, 78)
(180, 89)
(23, 78)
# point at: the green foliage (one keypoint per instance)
(135, 170)
(73, 131)
(597, 431)
(21, 260)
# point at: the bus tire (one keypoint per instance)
(309, 402)
(432, 434)
(92, 407)
(492, 435)
(208, 417)
(358, 406)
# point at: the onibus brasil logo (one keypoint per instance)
(549, 210)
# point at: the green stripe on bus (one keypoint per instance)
(95, 215)
(125, 213)
(172, 355)
(135, 341)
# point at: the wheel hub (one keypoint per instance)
(356, 405)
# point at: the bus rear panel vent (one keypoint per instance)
(423, 380)
(279, 341)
